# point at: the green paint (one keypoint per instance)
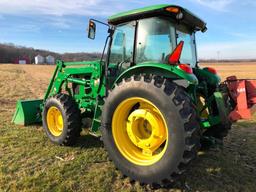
(27, 112)
(223, 110)
(138, 11)
(165, 70)
(205, 124)
(152, 8)
(209, 78)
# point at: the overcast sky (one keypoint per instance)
(60, 25)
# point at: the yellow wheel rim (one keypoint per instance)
(54, 121)
(140, 131)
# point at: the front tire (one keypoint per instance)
(145, 107)
(61, 119)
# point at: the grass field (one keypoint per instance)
(30, 162)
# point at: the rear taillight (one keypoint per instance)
(186, 68)
(211, 70)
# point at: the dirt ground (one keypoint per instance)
(30, 162)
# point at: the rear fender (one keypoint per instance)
(168, 71)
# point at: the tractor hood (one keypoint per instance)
(175, 12)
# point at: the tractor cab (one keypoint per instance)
(154, 41)
(150, 35)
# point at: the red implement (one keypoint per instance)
(243, 93)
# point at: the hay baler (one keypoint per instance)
(147, 97)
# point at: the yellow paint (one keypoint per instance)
(55, 121)
(141, 135)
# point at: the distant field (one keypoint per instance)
(241, 70)
(30, 162)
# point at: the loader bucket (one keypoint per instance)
(27, 112)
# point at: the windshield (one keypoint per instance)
(156, 39)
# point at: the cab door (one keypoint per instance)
(122, 48)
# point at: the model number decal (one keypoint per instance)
(241, 90)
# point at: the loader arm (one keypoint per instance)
(85, 75)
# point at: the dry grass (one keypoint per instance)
(241, 70)
(29, 162)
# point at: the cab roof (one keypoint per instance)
(189, 18)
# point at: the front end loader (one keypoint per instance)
(147, 97)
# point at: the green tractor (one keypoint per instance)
(147, 98)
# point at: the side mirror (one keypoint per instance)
(204, 29)
(92, 30)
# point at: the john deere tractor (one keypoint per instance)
(147, 97)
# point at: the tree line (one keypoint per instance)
(10, 52)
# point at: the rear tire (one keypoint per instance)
(182, 128)
(61, 119)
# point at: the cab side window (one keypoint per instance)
(122, 46)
